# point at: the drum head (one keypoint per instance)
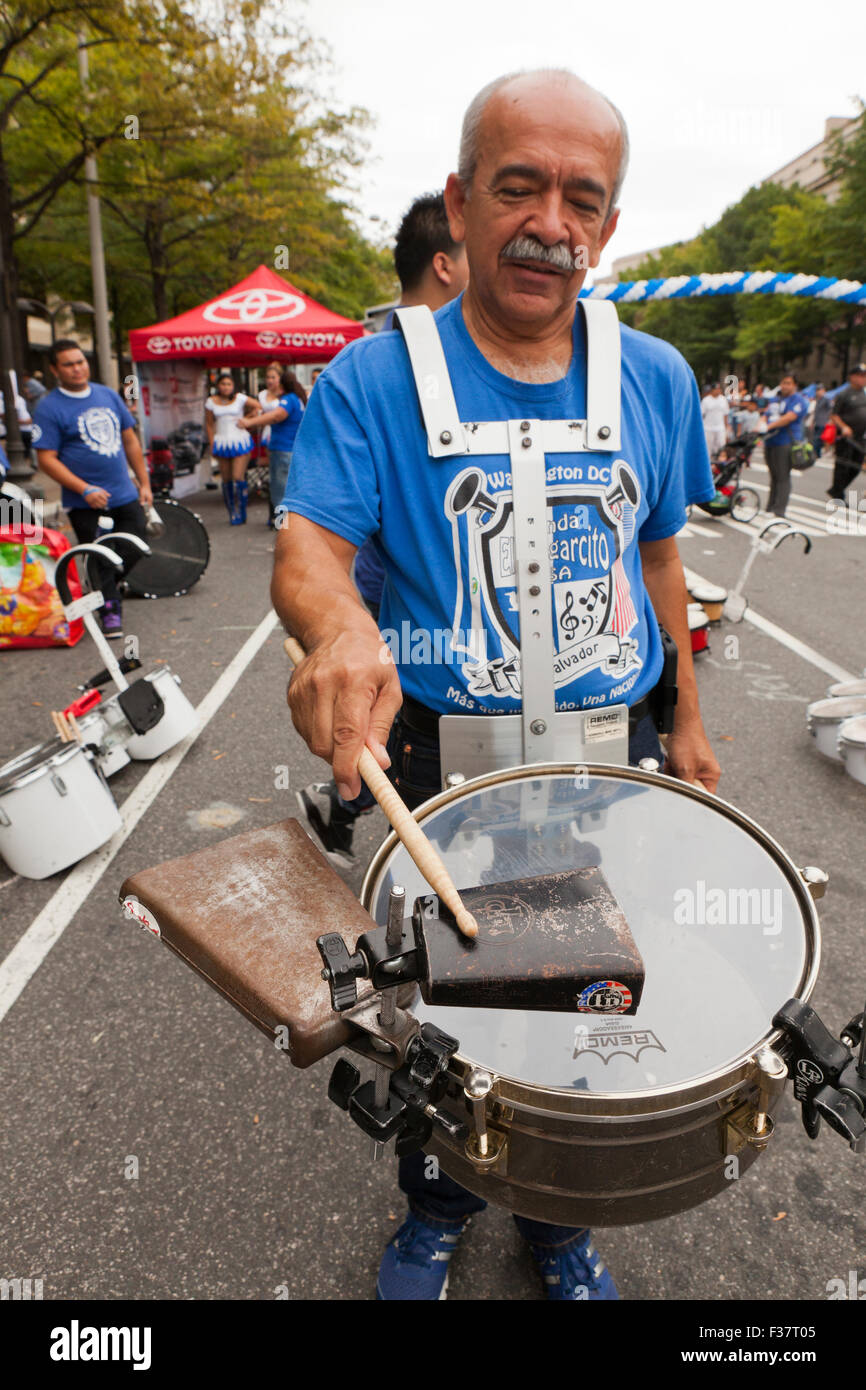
(19, 769)
(725, 925)
(853, 731)
(835, 709)
(179, 556)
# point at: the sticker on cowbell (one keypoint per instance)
(140, 914)
(604, 997)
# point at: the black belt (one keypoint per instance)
(426, 721)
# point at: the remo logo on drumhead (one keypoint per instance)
(604, 997)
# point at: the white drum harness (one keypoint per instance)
(472, 744)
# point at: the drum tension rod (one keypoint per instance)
(829, 1079)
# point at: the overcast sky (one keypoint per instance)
(716, 97)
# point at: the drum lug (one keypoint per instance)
(816, 881)
(741, 1128)
(485, 1147)
(751, 1123)
(59, 784)
(497, 1150)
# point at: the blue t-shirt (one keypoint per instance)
(444, 526)
(369, 572)
(783, 405)
(283, 433)
(85, 432)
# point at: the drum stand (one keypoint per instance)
(829, 1081)
(401, 1102)
(762, 543)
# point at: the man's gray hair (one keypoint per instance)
(468, 157)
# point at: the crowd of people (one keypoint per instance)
(793, 426)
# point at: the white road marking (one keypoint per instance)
(786, 639)
(819, 463)
(46, 929)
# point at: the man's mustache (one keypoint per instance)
(529, 248)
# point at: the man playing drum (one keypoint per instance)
(541, 164)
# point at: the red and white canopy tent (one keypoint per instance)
(261, 319)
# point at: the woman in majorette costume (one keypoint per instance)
(230, 443)
(269, 398)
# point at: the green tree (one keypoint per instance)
(214, 151)
(769, 228)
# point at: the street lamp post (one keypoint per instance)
(35, 306)
(19, 465)
(101, 335)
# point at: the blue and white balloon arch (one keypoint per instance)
(731, 282)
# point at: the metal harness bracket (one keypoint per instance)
(527, 443)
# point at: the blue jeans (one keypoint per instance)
(278, 474)
(441, 1201)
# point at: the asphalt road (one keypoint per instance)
(250, 1183)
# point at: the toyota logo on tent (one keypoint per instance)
(254, 306)
(269, 339)
(159, 344)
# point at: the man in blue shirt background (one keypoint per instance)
(85, 440)
(786, 417)
(432, 269)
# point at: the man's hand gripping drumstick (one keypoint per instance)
(404, 824)
(345, 693)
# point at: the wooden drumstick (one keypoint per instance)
(404, 825)
(61, 725)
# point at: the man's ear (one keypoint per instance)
(443, 268)
(455, 201)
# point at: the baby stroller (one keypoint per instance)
(741, 503)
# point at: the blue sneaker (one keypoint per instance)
(576, 1274)
(415, 1263)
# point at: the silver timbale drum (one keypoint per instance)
(619, 1119)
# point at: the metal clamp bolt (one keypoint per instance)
(445, 437)
(526, 442)
(604, 432)
(538, 726)
(524, 426)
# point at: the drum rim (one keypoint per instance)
(708, 593)
(612, 1105)
(827, 714)
(856, 680)
(62, 754)
(849, 736)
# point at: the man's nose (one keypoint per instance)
(548, 220)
